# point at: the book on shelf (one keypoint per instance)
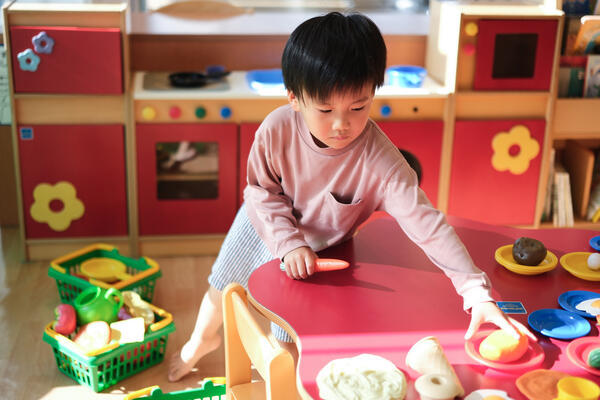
(588, 37)
(547, 210)
(591, 86)
(562, 206)
(579, 162)
(593, 208)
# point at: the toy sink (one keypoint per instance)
(266, 81)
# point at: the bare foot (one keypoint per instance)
(183, 361)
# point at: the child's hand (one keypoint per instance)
(300, 263)
(489, 312)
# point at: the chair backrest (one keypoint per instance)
(246, 344)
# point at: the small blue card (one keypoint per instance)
(511, 307)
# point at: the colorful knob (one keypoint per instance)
(42, 43)
(385, 110)
(468, 49)
(471, 29)
(28, 60)
(225, 112)
(148, 113)
(200, 112)
(175, 112)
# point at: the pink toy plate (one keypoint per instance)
(578, 349)
(532, 358)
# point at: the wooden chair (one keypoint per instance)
(246, 344)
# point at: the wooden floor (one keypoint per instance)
(27, 299)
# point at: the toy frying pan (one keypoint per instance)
(104, 269)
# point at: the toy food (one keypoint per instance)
(93, 336)
(528, 251)
(66, 320)
(124, 314)
(330, 264)
(593, 358)
(137, 307)
(502, 347)
(427, 357)
(436, 386)
(365, 376)
(593, 261)
(540, 384)
(128, 331)
(590, 306)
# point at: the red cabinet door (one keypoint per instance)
(66, 60)
(495, 170)
(73, 180)
(247, 131)
(423, 139)
(187, 177)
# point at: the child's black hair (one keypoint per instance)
(333, 53)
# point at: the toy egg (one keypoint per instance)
(502, 347)
(593, 261)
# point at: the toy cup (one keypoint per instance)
(427, 357)
(98, 304)
(574, 388)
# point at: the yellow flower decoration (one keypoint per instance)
(59, 221)
(528, 149)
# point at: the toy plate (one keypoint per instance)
(569, 301)
(558, 324)
(577, 352)
(595, 243)
(104, 269)
(532, 358)
(505, 258)
(576, 264)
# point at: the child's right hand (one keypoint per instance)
(300, 263)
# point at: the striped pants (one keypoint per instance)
(241, 253)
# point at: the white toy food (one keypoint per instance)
(364, 377)
(590, 306)
(593, 261)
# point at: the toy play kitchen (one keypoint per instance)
(177, 140)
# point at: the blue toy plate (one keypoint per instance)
(559, 324)
(569, 300)
(265, 79)
(595, 243)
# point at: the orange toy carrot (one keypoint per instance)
(330, 264)
(326, 264)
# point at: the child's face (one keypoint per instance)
(340, 119)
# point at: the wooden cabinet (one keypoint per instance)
(73, 180)
(495, 170)
(423, 140)
(73, 60)
(187, 178)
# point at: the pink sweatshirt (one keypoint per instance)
(299, 194)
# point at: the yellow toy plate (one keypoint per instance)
(576, 264)
(505, 258)
(104, 269)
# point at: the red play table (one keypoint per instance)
(393, 295)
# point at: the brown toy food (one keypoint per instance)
(528, 251)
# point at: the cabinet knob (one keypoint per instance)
(225, 112)
(148, 113)
(385, 111)
(471, 29)
(200, 112)
(469, 49)
(175, 112)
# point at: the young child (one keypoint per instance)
(318, 168)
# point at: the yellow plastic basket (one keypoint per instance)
(70, 281)
(102, 368)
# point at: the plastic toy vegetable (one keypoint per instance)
(66, 320)
(326, 264)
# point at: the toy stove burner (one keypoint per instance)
(211, 80)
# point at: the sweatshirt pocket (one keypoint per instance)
(342, 216)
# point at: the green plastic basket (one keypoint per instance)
(70, 281)
(208, 391)
(116, 361)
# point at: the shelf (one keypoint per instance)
(579, 224)
(577, 119)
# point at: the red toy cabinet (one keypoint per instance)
(247, 132)
(70, 60)
(422, 139)
(187, 177)
(73, 180)
(496, 169)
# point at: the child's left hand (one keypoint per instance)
(489, 312)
